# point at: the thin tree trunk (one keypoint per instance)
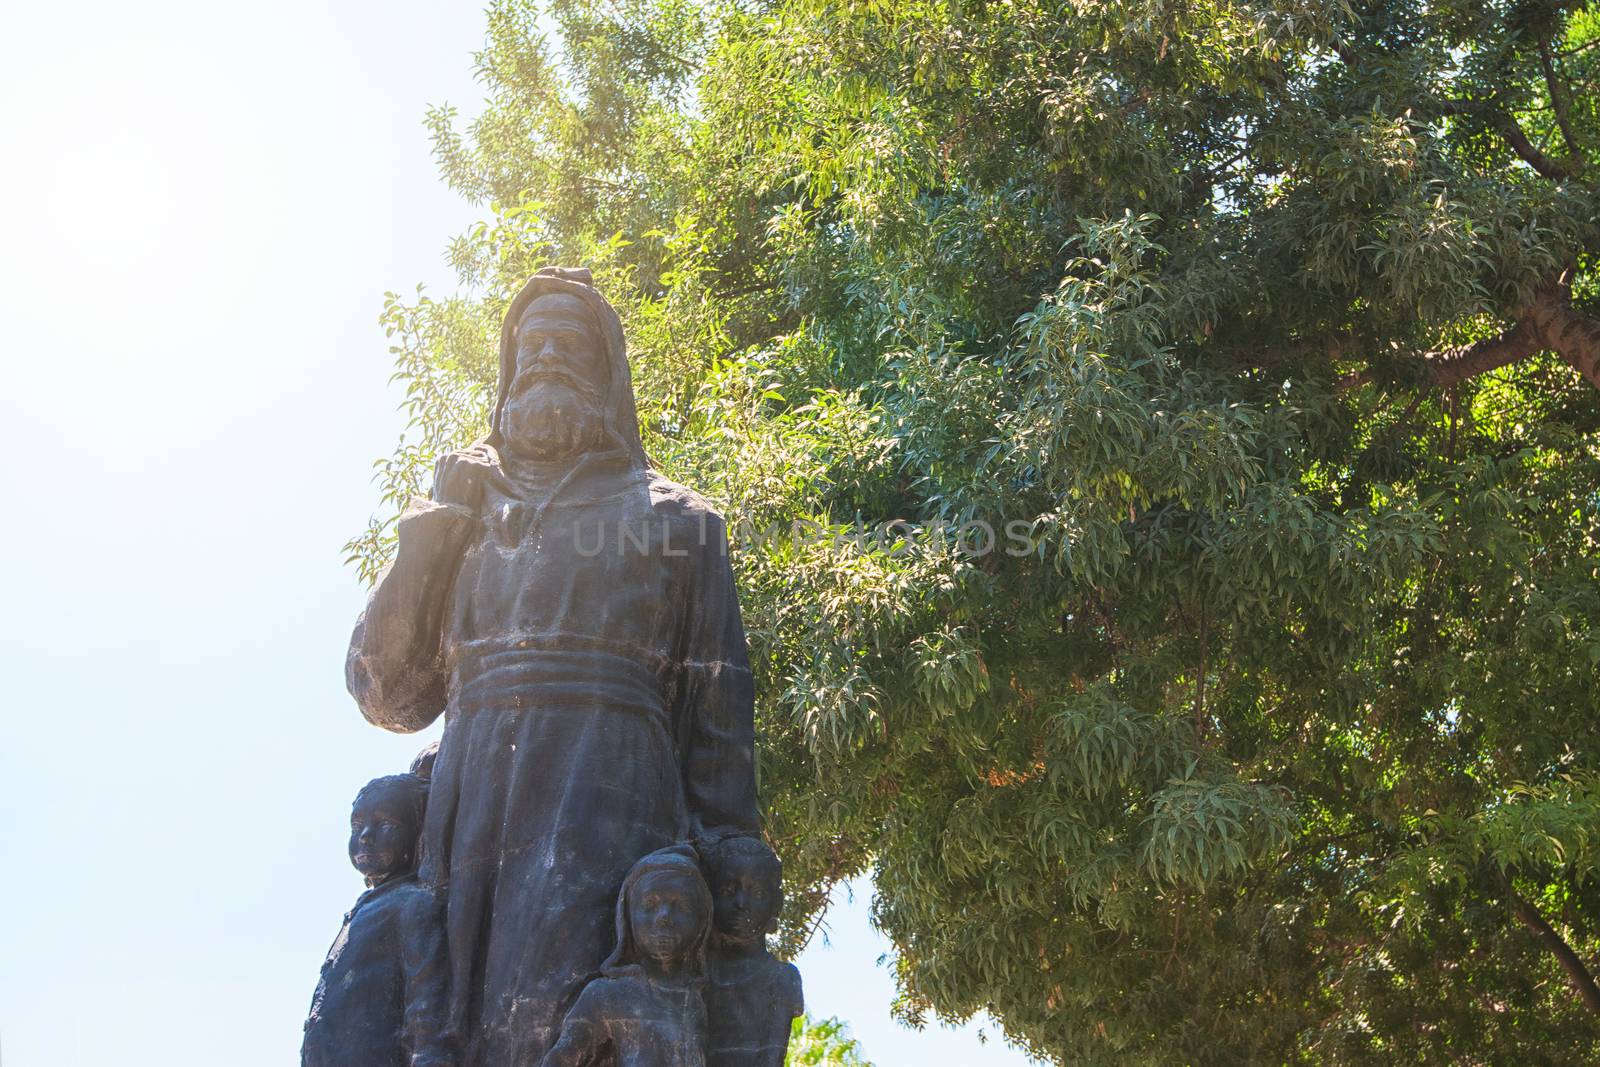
(1581, 979)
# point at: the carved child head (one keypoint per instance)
(746, 886)
(385, 823)
(422, 766)
(663, 915)
(556, 403)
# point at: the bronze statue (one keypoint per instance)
(573, 615)
(381, 998)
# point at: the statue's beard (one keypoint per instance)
(550, 419)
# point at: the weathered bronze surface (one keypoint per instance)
(573, 616)
(381, 997)
(752, 998)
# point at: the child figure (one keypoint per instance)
(382, 996)
(752, 998)
(645, 1009)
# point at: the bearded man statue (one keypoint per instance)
(573, 615)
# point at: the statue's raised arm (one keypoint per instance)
(395, 668)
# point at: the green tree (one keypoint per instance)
(823, 1043)
(1264, 335)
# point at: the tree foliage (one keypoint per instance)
(1264, 336)
(823, 1043)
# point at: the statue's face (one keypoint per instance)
(666, 915)
(746, 893)
(555, 407)
(382, 835)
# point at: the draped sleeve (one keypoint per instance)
(395, 668)
(715, 699)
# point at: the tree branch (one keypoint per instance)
(1581, 979)
(1457, 364)
(1574, 336)
(1451, 365)
(1548, 321)
(1525, 149)
(1506, 123)
(1561, 104)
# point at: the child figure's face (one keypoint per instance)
(382, 838)
(666, 916)
(747, 896)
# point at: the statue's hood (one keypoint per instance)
(621, 418)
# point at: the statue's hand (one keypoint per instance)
(459, 477)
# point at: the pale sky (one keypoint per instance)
(200, 209)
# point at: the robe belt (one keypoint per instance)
(533, 678)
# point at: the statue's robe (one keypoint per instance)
(588, 652)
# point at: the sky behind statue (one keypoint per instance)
(200, 210)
